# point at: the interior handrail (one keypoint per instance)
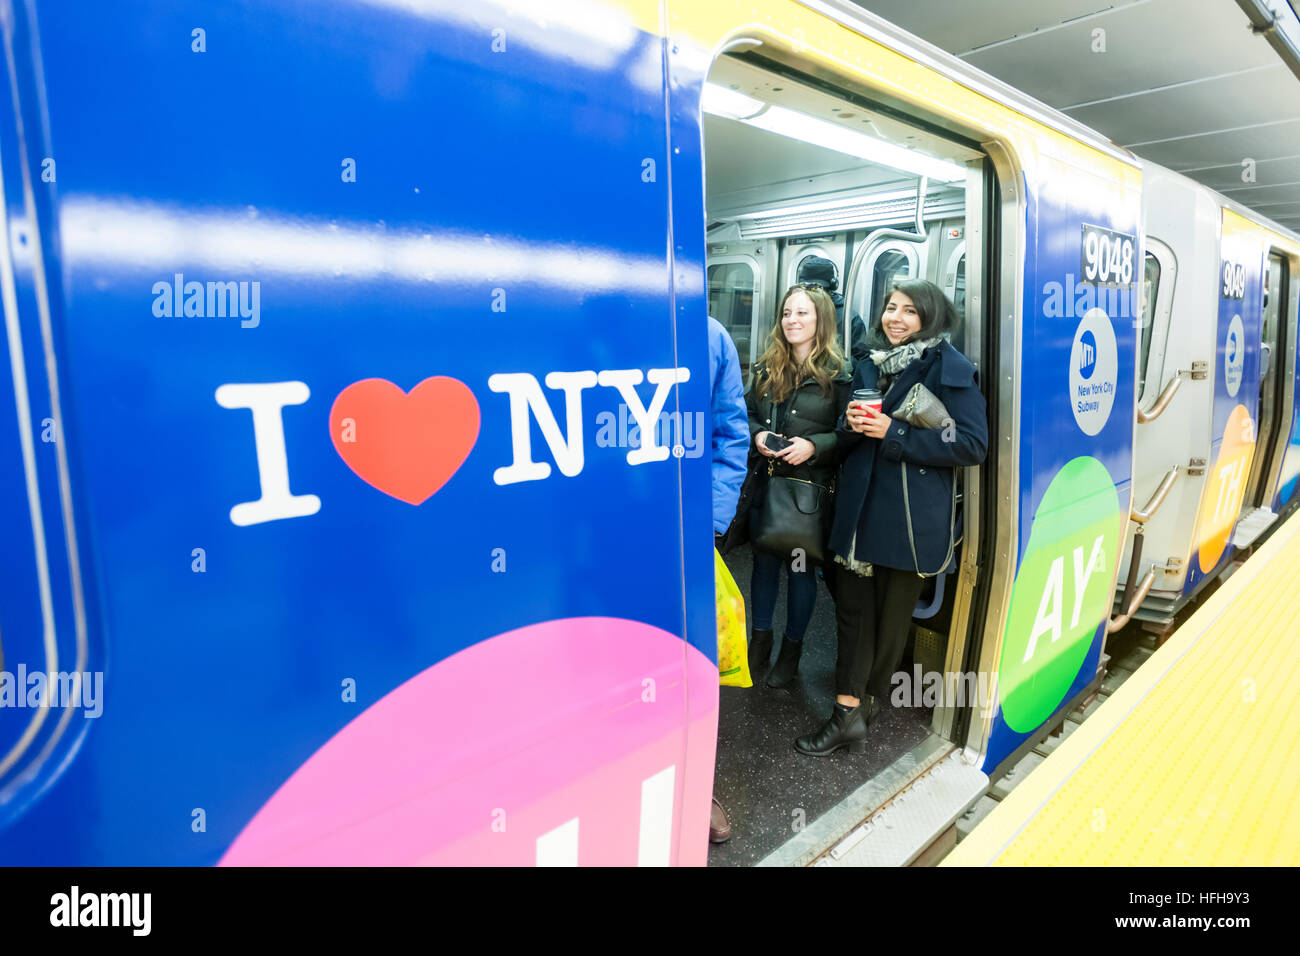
(919, 233)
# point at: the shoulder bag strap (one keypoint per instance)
(952, 525)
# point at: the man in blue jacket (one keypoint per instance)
(730, 431)
(730, 426)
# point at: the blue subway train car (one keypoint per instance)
(353, 456)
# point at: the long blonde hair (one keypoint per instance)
(780, 374)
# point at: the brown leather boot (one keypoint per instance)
(719, 826)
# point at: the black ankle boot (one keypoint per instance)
(760, 650)
(846, 728)
(787, 663)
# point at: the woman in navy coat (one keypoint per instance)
(878, 577)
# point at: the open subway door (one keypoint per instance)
(1052, 298)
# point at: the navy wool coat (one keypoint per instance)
(870, 498)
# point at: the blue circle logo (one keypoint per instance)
(1087, 354)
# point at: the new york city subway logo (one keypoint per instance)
(409, 444)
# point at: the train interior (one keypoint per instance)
(795, 168)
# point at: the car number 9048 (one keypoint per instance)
(1109, 258)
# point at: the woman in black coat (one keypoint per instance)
(800, 387)
(879, 560)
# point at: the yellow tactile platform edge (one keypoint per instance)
(1192, 761)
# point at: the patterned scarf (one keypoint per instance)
(892, 361)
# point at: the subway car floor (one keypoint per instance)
(767, 787)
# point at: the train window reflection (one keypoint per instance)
(891, 264)
(959, 287)
(1151, 274)
(731, 302)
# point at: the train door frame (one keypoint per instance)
(982, 208)
(996, 280)
(1288, 506)
(1271, 436)
(996, 244)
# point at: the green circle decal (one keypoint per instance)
(1063, 591)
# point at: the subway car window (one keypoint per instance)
(731, 302)
(959, 287)
(805, 253)
(1152, 276)
(891, 265)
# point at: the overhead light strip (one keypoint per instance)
(731, 104)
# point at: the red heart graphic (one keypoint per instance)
(408, 445)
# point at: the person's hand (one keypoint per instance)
(857, 416)
(763, 449)
(799, 451)
(877, 425)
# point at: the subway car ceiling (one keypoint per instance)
(772, 143)
(792, 171)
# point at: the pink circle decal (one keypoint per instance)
(567, 742)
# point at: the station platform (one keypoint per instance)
(1192, 761)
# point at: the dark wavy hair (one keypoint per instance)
(938, 314)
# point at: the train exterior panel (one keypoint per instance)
(1077, 379)
(313, 649)
(1236, 374)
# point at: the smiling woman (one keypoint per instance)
(799, 387)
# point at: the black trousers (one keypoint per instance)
(872, 618)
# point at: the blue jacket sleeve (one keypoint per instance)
(730, 430)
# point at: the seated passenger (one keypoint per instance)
(888, 533)
(799, 388)
(818, 271)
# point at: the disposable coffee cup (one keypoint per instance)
(868, 398)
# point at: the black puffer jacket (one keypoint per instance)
(807, 413)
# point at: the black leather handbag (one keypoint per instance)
(793, 514)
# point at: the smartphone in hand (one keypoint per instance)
(776, 443)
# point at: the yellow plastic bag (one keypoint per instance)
(733, 654)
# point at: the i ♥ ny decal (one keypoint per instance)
(406, 444)
(409, 444)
